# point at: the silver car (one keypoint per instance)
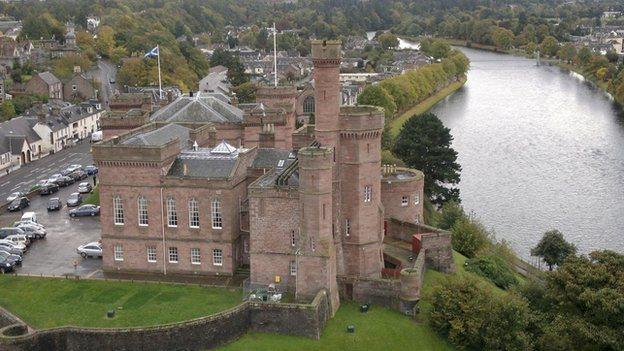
(15, 195)
(93, 249)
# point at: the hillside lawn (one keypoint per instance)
(47, 302)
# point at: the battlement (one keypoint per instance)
(326, 50)
(361, 118)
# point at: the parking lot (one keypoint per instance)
(56, 254)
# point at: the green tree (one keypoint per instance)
(553, 248)
(105, 41)
(424, 143)
(567, 52)
(388, 40)
(584, 55)
(245, 92)
(549, 46)
(449, 215)
(468, 237)
(503, 38)
(7, 110)
(377, 96)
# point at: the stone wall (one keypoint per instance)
(380, 292)
(197, 334)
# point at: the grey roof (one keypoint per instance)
(15, 144)
(16, 127)
(217, 162)
(199, 108)
(161, 136)
(269, 158)
(49, 78)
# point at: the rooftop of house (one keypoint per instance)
(15, 131)
(202, 107)
(217, 162)
(49, 78)
(160, 136)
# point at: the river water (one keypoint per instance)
(539, 149)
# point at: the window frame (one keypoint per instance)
(173, 250)
(193, 209)
(118, 211)
(172, 213)
(292, 268)
(368, 193)
(216, 214)
(404, 200)
(118, 252)
(217, 255)
(195, 256)
(151, 250)
(142, 213)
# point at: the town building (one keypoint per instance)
(79, 87)
(45, 83)
(208, 186)
(216, 81)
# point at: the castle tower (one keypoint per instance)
(360, 192)
(316, 254)
(70, 35)
(326, 60)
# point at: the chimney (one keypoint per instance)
(184, 169)
(169, 96)
(77, 69)
(55, 111)
(190, 93)
(234, 100)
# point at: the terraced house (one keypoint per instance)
(209, 185)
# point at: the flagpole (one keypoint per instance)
(274, 55)
(159, 78)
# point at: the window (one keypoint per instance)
(245, 246)
(308, 104)
(151, 254)
(292, 238)
(217, 257)
(195, 256)
(172, 214)
(142, 202)
(312, 245)
(416, 199)
(173, 255)
(404, 201)
(347, 227)
(217, 219)
(292, 267)
(118, 213)
(193, 213)
(280, 163)
(118, 252)
(368, 193)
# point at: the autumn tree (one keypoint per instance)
(553, 248)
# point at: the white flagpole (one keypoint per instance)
(159, 78)
(274, 55)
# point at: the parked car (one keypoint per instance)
(49, 188)
(32, 231)
(14, 196)
(16, 259)
(19, 204)
(91, 170)
(30, 223)
(30, 216)
(85, 210)
(93, 249)
(54, 204)
(41, 183)
(78, 175)
(74, 200)
(65, 181)
(19, 239)
(6, 265)
(74, 167)
(54, 178)
(8, 231)
(84, 188)
(11, 248)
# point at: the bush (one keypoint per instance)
(469, 237)
(472, 317)
(451, 212)
(494, 268)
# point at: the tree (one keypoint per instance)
(424, 143)
(468, 236)
(549, 46)
(388, 40)
(584, 55)
(377, 96)
(567, 52)
(451, 213)
(553, 248)
(245, 92)
(503, 38)
(105, 41)
(7, 111)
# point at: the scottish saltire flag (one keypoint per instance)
(153, 53)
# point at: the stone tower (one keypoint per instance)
(316, 255)
(360, 190)
(326, 60)
(70, 35)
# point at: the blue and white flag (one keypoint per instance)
(153, 53)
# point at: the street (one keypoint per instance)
(28, 175)
(107, 71)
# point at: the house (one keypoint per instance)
(12, 51)
(79, 87)
(45, 83)
(19, 143)
(216, 81)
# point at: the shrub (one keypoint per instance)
(469, 237)
(472, 317)
(451, 212)
(494, 268)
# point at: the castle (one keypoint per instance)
(206, 185)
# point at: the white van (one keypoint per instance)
(29, 216)
(96, 136)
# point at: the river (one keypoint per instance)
(539, 149)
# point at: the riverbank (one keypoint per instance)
(424, 106)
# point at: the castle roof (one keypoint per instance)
(216, 162)
(202, 108)
(161, 136)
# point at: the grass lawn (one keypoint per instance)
(46, 303)
(397, 123)
(94, 197)
(379, 329)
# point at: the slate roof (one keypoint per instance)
(202, 107)
(49, 78)
(161, 136)
(217, 162)
(269, 158)
(19, 126)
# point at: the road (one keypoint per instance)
(28, 175)
(107, 71)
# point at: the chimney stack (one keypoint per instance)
(184, 169)
(77, 69)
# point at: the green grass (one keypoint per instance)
(94, 197)
(47, 303)
(397, 123)
(379, 329)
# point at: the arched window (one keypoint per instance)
(308, 104)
